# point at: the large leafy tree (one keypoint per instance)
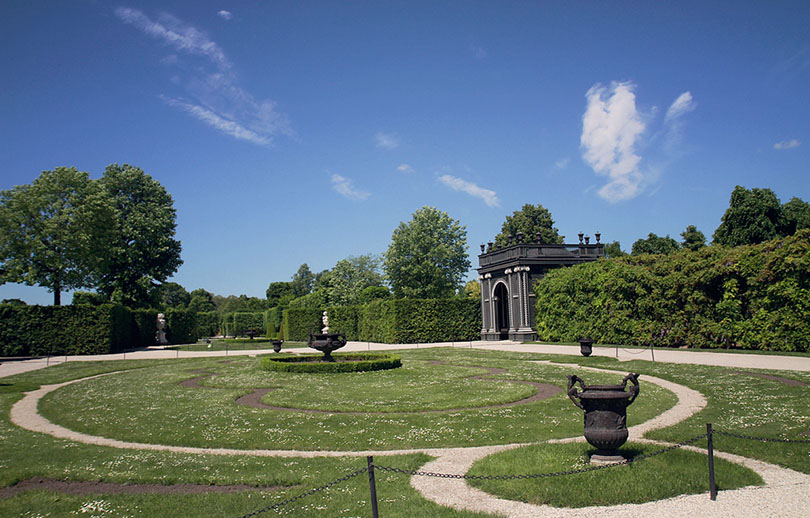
(797, 215)
(143, 250)
(53, 232)
(655, 244)
(753, 216)
(693, 239)
(201, 300)
(530, 220)
(613, 250)
(173, 295)
(349, 277)
(276, 290)
(427, 257)
(302, 281)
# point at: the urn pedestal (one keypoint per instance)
(326, 343)
(605, 408)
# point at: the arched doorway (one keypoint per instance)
(501, 297)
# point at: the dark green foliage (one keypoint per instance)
(753, 216)
(239, 323)
(752, 297)
(297, 323)
(89, 298)
(373, 293)
(276, 290)
(181, 326)
(201, 301)
(302, 281)
(349, 362)
(14, 302)
(530, 220)
(421, 321)
(797, 215)
(272, 318)
(315, 300)
(613, 250)
(655, 245)
(55, 330)
(172, 295)
(345, 319)
(144, 322)
(207, 324)
(693, 239)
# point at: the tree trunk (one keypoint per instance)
(57, 295)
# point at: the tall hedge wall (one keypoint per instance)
(420, 321)
(296, 323)
(238, 323)
(751, 297)
(207, 324)
(44, 330)
(272, 318)
(345, 319)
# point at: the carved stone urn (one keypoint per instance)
(605, 409)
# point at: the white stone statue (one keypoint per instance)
(160, 336)
(325, 320)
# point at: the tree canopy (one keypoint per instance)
(302, 280)
(614, 249)
(797, 215)
(693, 239)
(349, 277)
(530, 220)
(655, 244)
(427, 257)
(143, 250)
(53, 232)
(753, 216)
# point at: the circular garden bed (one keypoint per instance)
(348, 362)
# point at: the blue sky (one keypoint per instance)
(304, 132)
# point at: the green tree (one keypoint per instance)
(471, 290)
(201, 301)
(693, 239)
(350, 276)
(276, 290)
(173, 295)
(142, 251)
(372, 293)
(13, 302)
(427, 257)
(302, 280)
(753, 216)
(88, 298)
(797, 215)
(52, 232)
(655, 245)
(530, 220)
(613, 250)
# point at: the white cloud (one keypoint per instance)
(683, 104)
(561, 163)
(478, 52)
(386, 140)
(457, 184)
(787, 144)
(405, 168)
(225, 15)
(218, 100)
(344, 187)
(175, 33)
(611, 126)
(228, 127)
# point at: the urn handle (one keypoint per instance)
(572, 390)
(634, 389)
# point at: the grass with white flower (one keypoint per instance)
(145, 403)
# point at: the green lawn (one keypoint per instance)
(145, 403)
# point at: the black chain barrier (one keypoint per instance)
(762, 439)
(543, 475)
(306, 494)
(588, 469)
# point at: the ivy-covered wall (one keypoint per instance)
(750, 297)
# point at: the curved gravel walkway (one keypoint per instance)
(785, 492)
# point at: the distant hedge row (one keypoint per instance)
(751, 297)
(84, 329)
(392, 321)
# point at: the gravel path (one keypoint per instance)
(785, 492)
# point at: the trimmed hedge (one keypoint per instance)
(345, 319)
(348, 362)
(207, 324)
(272, 318)
(410, 321)
(297, 323)
(56, 330)
(240, 322)
(750, 297)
